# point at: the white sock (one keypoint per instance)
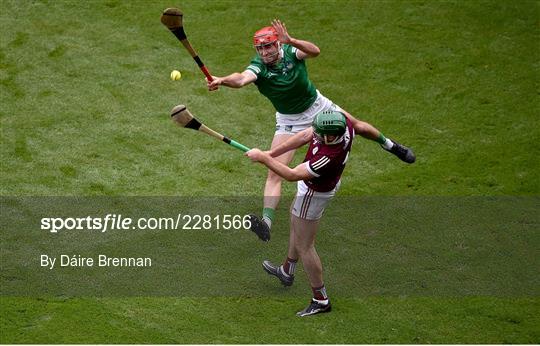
(268, 221)
(388, 144)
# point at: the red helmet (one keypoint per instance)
(265, 36)
(266, 43)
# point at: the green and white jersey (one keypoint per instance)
(285, 84)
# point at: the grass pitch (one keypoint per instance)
(84, 101)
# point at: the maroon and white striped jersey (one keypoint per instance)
(326, 162)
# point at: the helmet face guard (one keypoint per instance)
(328, 139)
(329, 127)
(266, 44)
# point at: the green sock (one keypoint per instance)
(384, 142)
(268, 215)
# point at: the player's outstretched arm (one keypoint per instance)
(363, 128)
(306, 49)
(299, 172)
(368, 131)
(234, 80)
(296, 141)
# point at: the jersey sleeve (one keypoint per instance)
(319, 165)
(295, 52)
(256, 66)
(291, 52)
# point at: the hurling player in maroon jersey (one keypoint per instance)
(318, 177)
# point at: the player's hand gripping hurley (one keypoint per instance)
(184, 118)
(172, 19)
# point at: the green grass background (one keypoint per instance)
(85, 97)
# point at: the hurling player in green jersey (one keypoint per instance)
(280, 74)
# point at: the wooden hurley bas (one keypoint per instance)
(183, 117)
(172, 19)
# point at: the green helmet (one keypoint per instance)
(329, 123)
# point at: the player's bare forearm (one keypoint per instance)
(363, 128)
(366, 130)
(296, 141)
(310, 49)
(234, 80)
(286, 172)
(279, 168)
(290, 174)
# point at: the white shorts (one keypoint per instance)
(290, 124)
(310, 204)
